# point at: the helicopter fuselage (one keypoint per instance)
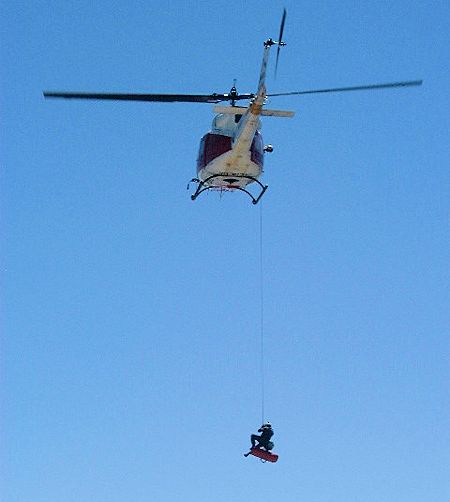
(233, 156)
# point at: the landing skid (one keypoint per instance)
(203, 185)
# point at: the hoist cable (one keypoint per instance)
(261, 298)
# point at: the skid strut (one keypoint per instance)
(203, 185)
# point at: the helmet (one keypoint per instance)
(266, 425)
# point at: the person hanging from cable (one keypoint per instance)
(264, 440)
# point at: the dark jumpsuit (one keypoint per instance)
(263, 439)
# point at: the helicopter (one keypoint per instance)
(231, 155)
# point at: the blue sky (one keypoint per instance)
(130, 315)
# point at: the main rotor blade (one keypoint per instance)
(407, 83)
(165, 98)
(280, 39)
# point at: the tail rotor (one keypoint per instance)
(280, 39)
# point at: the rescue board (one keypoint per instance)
(263, 454)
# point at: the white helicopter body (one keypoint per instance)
(231, 154)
